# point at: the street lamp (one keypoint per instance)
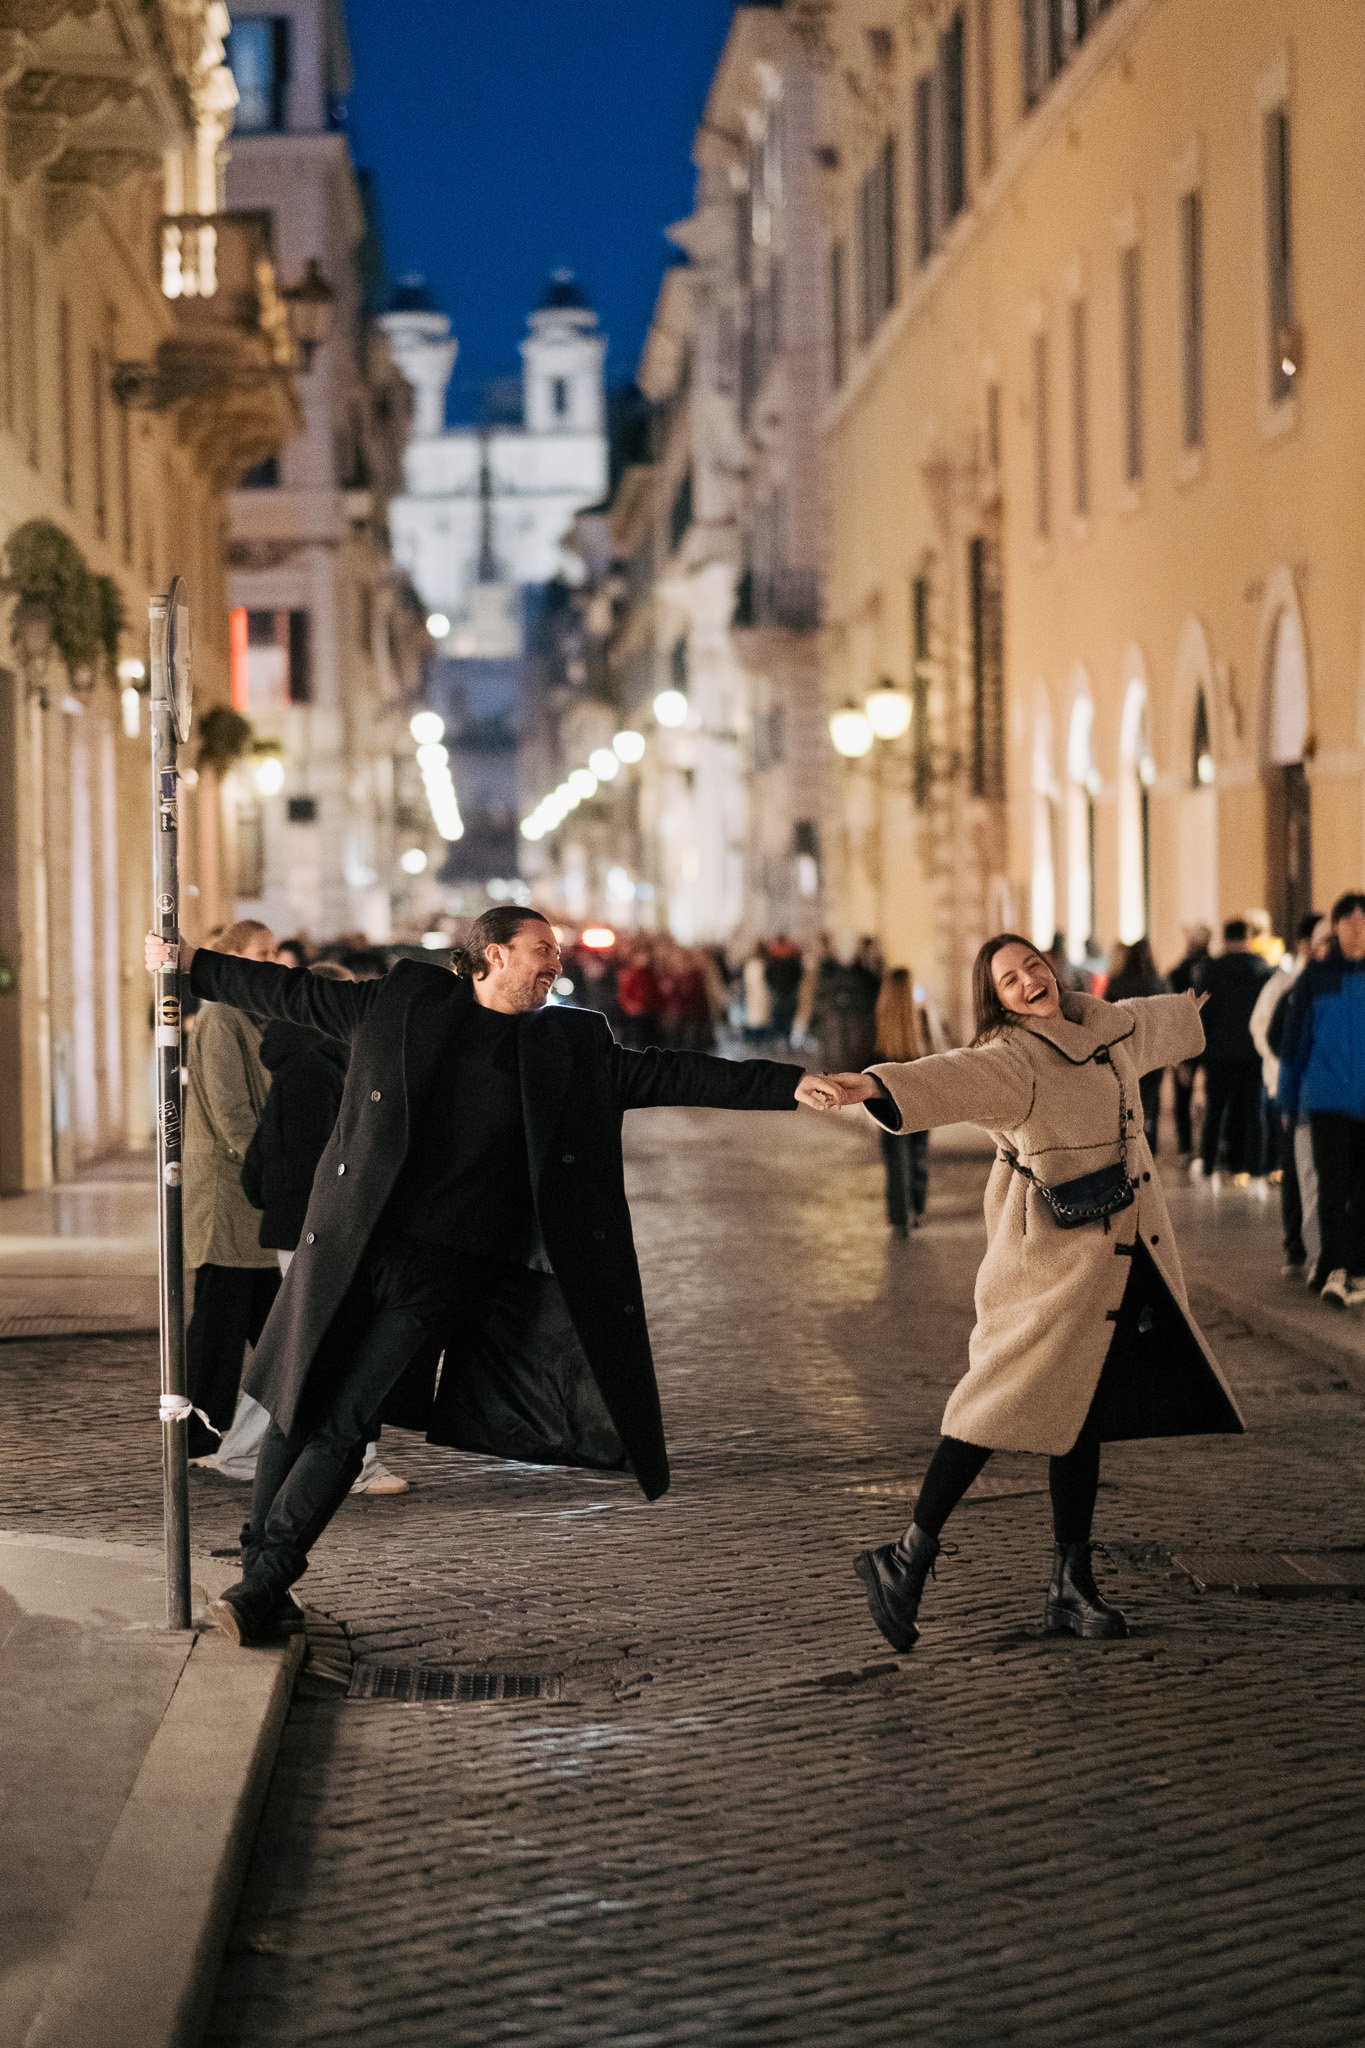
(888, 711)
(270, 775)
(312, 307)
(670, 708)
(427, 727)
(851, 731)
(629, 747)
(438, 625)
(413, 860)
(583, 784)
(604, 764)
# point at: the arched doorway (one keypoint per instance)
(1288, 808)
(1136, 775)
(1082, 788)
(1192, 740)
(1043, 893)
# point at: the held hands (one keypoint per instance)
(834, 1091)
(159, 954)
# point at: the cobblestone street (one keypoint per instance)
(733, 1816)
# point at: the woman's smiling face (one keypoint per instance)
(1025, 983)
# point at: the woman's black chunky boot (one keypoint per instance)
(894, 1577)
(1075, 1604)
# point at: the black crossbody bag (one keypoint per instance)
(1091, 1197)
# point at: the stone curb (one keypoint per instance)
(139, 1964)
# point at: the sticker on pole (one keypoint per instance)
(171, 658)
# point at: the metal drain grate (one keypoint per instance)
(416, 1685)
(1277, 1575)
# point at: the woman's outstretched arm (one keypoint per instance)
(990, 1085)
(1167, 1030)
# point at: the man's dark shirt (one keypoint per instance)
(466, 1182)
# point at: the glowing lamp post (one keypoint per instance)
(851, 731)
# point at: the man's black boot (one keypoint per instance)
(1075, 1604)
(894, 1577)
(256, 1610)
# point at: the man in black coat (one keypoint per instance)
(480, 1133)
(1234, 1102)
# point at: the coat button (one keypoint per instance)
(341, 1169)
(629, 1309)
(599, 1236)
(374, 1094)
(1146, 1176)
(567, 1160)
(1155, 1238)
(311, 1237)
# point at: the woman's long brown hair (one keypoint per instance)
(899, 1025)
(990, 1014)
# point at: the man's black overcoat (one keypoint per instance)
(576, 1083)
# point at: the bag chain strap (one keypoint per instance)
(1012, 1159)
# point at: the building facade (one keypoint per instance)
(760, 220)
(328, 642)
(145, 360)
(708, 621)
(1093, 349)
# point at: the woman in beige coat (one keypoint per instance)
(1084, 1334)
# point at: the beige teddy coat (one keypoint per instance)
(1047, 1299)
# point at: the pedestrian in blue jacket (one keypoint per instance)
(1322, 1077)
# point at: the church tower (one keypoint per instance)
(424, 350)
(562, 357)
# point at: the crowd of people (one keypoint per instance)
(467, 1221)
(1274, 1102)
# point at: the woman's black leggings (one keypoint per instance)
(1073, 1481)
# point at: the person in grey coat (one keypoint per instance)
(235, 1278)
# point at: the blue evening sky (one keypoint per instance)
(510, 136)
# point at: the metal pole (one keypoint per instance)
(170, 1219)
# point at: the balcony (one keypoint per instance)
(83, 84)
(227, 368)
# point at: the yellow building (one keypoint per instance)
(129, 304)
(1096, 376)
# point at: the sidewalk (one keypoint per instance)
(80, 1258)
(1231, 1248)
(134, 1759)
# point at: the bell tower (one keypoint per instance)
(562, 358)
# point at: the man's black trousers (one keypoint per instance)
(1233, 1112)
(406, 1296)
(1339, 1156)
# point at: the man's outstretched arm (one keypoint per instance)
(655, 1079)
(263, 990)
